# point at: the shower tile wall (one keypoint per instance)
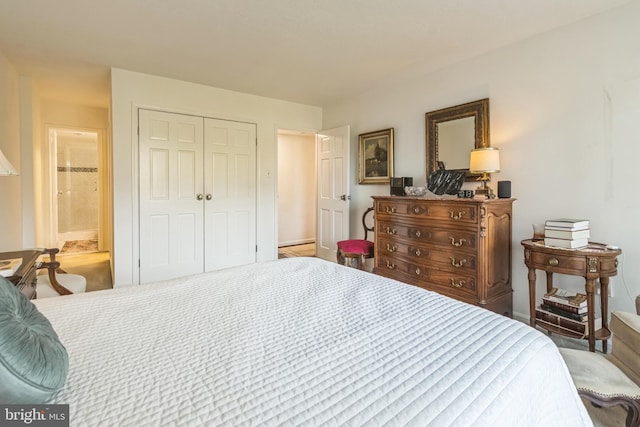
(77, 185)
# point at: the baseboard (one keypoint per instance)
(296, 242)
(521, 317)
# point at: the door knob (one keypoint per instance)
(208, 196)
(345, 197)
(199, 196)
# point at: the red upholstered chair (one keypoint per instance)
(356, 250)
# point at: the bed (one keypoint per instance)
(302, 341)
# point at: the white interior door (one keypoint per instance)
(171, 195)
(230, 193)
(333, 190)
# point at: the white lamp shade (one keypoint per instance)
(6, 168)
(484, 160)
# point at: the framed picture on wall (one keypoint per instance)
(375, 154)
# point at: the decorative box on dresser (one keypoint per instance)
(457, 247)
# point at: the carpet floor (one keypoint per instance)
(95, 267)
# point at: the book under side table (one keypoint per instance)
(594, 262)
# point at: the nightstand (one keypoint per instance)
(594, 262)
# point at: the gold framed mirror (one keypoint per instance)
(453, 132)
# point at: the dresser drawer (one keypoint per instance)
(450, 260)
(446, 282)
(454, 213)
(451, 238)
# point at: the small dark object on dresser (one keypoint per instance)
(445, 181)
(504, 189)
(397, 185)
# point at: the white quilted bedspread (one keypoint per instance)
(303, 342)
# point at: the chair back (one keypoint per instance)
(367, 229)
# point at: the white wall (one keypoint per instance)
(133, 90)
(296, 189)
(10, 186)
(565, 113)
(27, 164)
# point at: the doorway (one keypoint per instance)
(76, 198)
(296, 192)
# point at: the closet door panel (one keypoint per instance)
(230, 179)
(170, 179)
(219, 183)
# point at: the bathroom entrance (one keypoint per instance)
(75, 179)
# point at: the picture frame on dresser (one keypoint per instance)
(375, 157)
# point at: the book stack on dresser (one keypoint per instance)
(567, 311)
(567, 233)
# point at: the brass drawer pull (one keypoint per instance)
(391, 231)
(390, 265)
(554, 261)
(418, 271)
(391, 248)
(459, 243)
(457, 285)
(457, 264)
(418, 233)
(455, 216)
(416, 209)
(390, 209)
(418, 252)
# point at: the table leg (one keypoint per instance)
(590, 288)
(532, 296)
(549, 281)
(604, 307)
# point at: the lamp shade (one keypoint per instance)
(6, 168)
(484, 160)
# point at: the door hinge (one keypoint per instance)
(256, 248)
(138, 263)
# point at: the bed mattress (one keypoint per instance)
(303, 341)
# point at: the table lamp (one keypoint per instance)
(6, 168)
(484, 161)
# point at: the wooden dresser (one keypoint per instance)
(457, 247)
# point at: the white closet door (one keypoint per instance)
(230, 193)
(171, 195)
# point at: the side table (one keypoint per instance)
(592, 262)
(25, 276)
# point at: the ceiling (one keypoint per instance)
(308, 51)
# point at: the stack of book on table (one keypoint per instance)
(566, 311)
(567, 233)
